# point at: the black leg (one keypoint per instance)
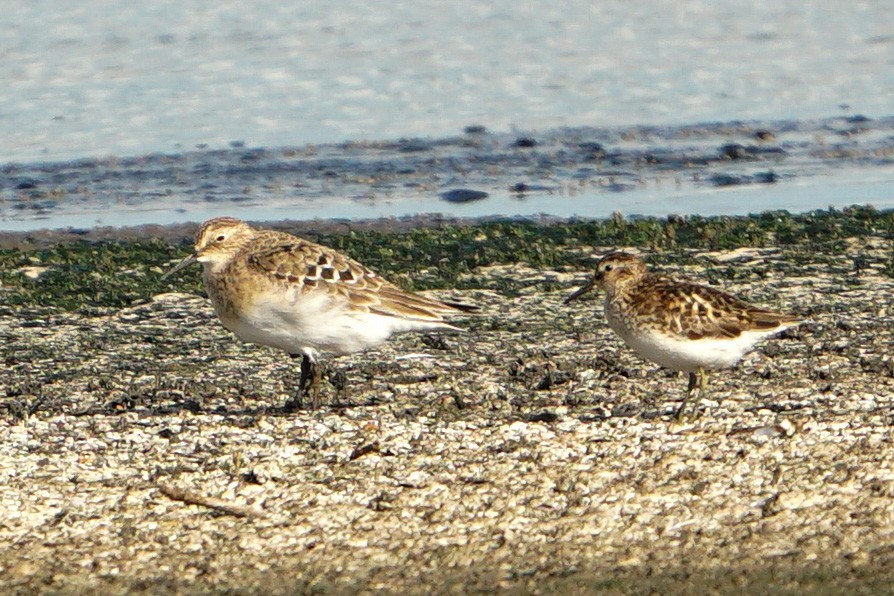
(339, 380)
(306, 384)
(693, 382)
(307, 374)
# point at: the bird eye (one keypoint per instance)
(221, 238)
(608, 267)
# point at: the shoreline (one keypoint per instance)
(711, 168)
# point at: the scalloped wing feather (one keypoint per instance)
(311, 267)
(700, 312)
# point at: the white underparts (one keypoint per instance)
(315, 322)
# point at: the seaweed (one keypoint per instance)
(84, 275)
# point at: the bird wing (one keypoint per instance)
(696, 312)
(315, 268)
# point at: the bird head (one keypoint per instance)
(216, 242)
(613, 272)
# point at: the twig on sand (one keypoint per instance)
(191, 498)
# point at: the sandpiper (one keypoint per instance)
(278, 290)
(679, 325)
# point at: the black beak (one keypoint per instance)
(581, 291)
(181, 265)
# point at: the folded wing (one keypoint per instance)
(312, 268)
(698, 312)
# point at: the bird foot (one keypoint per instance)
(680, 415)
(309, 382)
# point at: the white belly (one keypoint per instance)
(316, 323)
(684, 354)
(689, 354)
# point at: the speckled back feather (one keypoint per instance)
(640, 299)
(695, 311)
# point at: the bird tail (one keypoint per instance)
(769, 319)
(462, 307)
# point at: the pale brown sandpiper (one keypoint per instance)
(278, 290)
(679, 325)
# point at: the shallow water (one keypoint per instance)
(706, 170)
(99, 78)
(127, 113)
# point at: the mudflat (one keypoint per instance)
(144, 449)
